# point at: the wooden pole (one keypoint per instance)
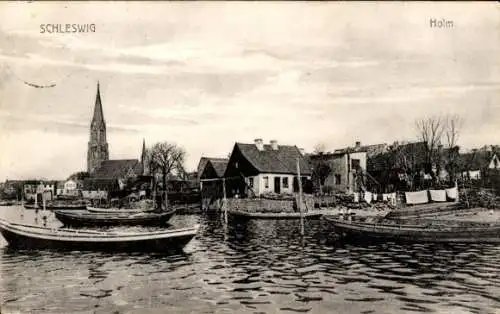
(224, 205)
(300, 199)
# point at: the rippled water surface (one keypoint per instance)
(257, 267)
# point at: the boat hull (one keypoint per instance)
(172, 243)
(401, 233)
(66, 207)
(272, 216)
(115, 210)
(108, 220)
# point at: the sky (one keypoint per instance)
(205, 75)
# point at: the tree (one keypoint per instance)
(430, 131)
(452, 131)
(80, 175)
(165, 158)
(319, 148)
(321, 171)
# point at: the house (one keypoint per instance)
(258, 168)
(345, 168)
(71, 187)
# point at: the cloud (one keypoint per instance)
(60, 124)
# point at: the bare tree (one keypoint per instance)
(319, 148)
(452, 131)
(430, 130)
(453, 124)
(167, 157)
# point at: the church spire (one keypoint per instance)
(98, 114)
(143, 157)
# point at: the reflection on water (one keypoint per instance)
(256, 267)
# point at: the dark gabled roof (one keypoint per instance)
(282, 160)
(114, 169)
(214, 166)
(219, 166)
(203, 163)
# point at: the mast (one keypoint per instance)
(300, 199)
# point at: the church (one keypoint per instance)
(105, 174)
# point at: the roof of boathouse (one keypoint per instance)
(218, 165)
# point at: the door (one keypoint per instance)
(277, 185)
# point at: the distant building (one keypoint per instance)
(347, 166)
(478, 163)
(256, 169)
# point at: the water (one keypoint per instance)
(258, 267)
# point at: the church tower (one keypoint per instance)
(98, 146)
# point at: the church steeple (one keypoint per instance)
(98, 146)
(98, 117)
(143, 157)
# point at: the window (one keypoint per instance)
(338, 179)
(355, 164)
(285, 182)
(266, 182)
(250, 182)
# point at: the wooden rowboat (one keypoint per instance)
(117, 210)
(31, 206)
(263, 215)
(86, 219)
(429, 231)
(35, 237)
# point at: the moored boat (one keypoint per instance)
(34, 237)
(31, 206)
(117, 210)
(87, 219)
(271, 215)
(65, 206)
(6, 203)
(419, 231)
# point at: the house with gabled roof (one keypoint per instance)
(258, 168)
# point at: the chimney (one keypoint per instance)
(274, 144)
(259, 143)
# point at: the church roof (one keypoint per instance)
(119, 168)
